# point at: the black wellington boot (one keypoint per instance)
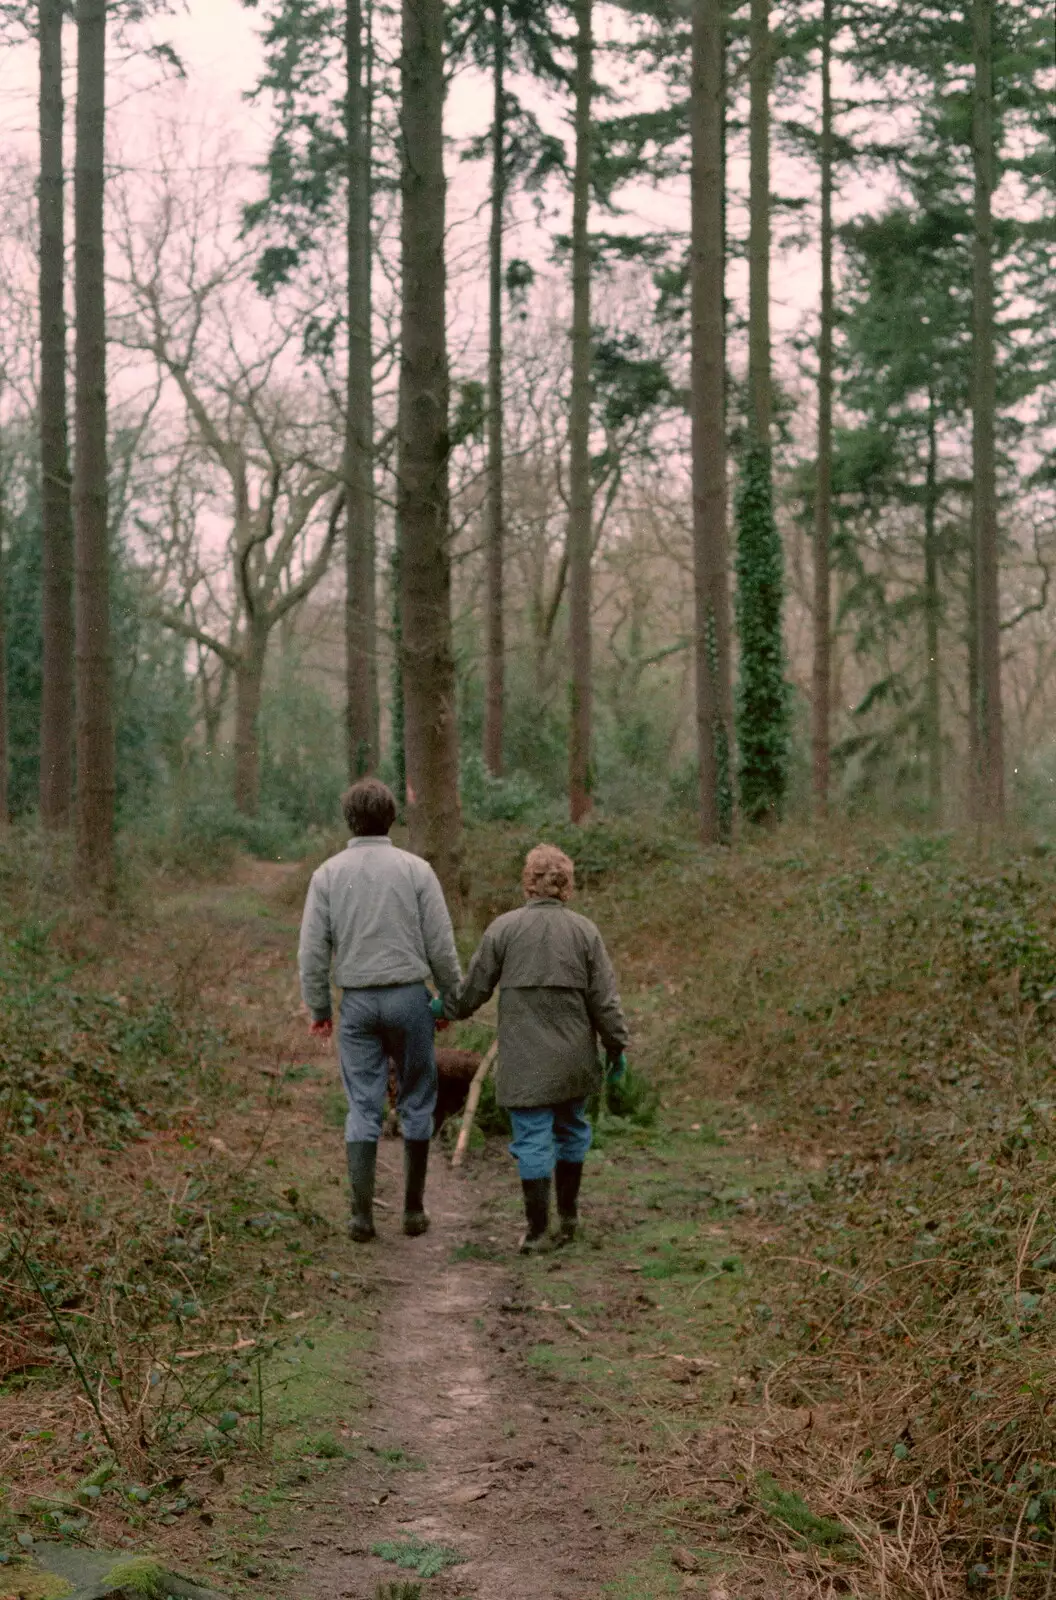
(415, 1165)
(362, 1162)
(537, 1212)
(567, 1177)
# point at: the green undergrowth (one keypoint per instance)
(169, 1309)
(853, 1041)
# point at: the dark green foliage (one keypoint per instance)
(492, 1119)
(302, 769)
(76, 1062)
(153, 699)
(762, 710)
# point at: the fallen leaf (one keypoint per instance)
(467, 1495)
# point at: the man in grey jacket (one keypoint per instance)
(377, 916)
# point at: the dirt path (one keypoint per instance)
(504, 1476)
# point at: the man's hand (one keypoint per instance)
(616, 1069)
(324, 1029)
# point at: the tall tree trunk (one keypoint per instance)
(762, 692)
(423, 495)
(249, 687)
(759, 380)
(932, 612)
(398, 718)
(822, 674)
(5, 806)
(990, 789)
(708, 378)
(360, 576)
(580, 529)
(56, 700)
(95, 725)
(495, 690)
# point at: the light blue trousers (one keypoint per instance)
(545, 1134)
(376, 1024)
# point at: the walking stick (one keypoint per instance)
(472, 1102)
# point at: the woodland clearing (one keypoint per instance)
(805, 1348)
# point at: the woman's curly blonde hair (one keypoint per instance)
(548, 874)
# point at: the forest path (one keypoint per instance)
(501, 1471)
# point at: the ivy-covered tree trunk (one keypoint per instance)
(56, 704)
(494, 701)
(822, 672)
(762, 697)
(932, 615)
(990, 783)
(580, 518)
(762, 692)
(95, 723)
(424, 446)
(708, 382)
(361, 653)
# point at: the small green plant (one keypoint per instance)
(792, 1511)
(138, 1575)
(470, 1251)
(329, 1448)
(398, 1591)
(425, 1559)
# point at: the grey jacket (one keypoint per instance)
(557, 997)
(378, 915)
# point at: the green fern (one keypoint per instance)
(424, 1559)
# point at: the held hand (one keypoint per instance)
(616, 1069)
(436, 1006)
(324, 1029)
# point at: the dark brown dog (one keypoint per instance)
(454, 1070)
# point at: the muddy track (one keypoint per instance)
(509, 1476)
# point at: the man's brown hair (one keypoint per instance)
(370, 808)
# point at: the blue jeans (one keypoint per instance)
(376, 1024)
(543, 1134)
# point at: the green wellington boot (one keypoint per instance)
(362, 1162)
(537, 1212)
(567, 1178)
(415, 1165)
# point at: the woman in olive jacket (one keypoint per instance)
(557, 998)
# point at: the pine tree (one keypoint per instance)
(495, 644)
(424, 447)
(580, 509)
(762, 698)
(57, 712)
(319, 172)
(990, 782)
(822, 624)
(708, 381)
(361, 649)
(95, 725)
(762, 691)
